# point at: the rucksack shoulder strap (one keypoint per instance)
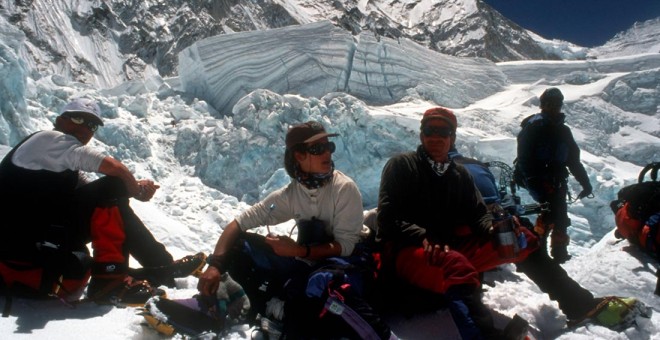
(653, 168)
(527, 120)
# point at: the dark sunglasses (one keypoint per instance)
(78, 120)
(321, 148)
(440, 131)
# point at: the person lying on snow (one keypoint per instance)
(437, 233)
(327, 208)
(51, 211)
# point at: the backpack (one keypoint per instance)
(51, 272)
(331, 304)
(637, 211)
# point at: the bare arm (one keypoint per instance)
(142, 190)
(285, 246)
(210, 280)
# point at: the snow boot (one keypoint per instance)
(121, 291)
(165, 275)
(615, 312)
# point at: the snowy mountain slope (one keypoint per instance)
(104, 43)
(211, 167)
(642, 37)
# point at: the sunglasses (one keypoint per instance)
(78, 120)
(440, 131)
(321, 148)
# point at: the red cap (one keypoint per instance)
(440, 113)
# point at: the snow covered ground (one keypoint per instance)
(212, 167)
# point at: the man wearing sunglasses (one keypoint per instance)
(54, 209)
(435, 228)
(327, 208)
(429, 205)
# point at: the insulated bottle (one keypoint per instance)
(505, 237)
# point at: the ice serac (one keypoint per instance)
(316, 59)
(309, 60)
(385, 70)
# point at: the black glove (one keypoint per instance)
(586, 191)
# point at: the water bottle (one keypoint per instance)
(505, 238)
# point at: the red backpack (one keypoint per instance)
(637, 211)
(49, 273)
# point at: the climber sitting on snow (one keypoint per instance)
(51, 211)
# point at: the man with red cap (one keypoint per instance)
(438, 232)
(435, 226)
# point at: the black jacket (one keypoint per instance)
(415, 203)
(546, 147)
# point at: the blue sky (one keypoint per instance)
(584, 22)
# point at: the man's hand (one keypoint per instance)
(147, 190)
(209, 281)
(586, 192)
(434, 252)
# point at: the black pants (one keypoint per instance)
(65, 222)
(139, 243)
(552, 279)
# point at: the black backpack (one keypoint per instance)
(332, 303)
(643, 197)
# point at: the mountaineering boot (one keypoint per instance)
(617, 313)
(164, 275)
(559, 241)
(121, 291)
(111, 285)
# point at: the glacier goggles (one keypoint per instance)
(80, 120)
(439, 131)
(320, 148)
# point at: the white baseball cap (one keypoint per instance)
(84, 105)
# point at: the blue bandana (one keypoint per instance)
(313, 181)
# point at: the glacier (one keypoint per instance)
(214, 160)
(379, 71)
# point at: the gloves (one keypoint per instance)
(586, 191)
(231, 298)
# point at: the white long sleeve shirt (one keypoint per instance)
(338, 204)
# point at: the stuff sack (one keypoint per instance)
(199, 315)
(55, 274)
(331, 302)
(195, 316)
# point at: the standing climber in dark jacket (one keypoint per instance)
(546, 148)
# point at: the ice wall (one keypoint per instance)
(316, 59)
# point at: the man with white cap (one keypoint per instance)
(53, 211)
